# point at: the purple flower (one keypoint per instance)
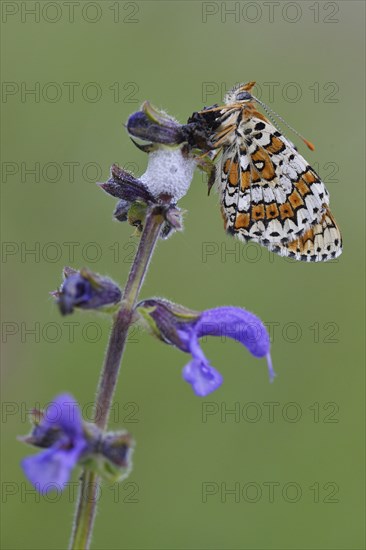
(68, 441)
(60, 430)
(183, 328)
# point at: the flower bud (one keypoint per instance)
(124, 185)
(86, 290)
(154, 126)
(114, 460)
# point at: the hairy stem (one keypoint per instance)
(89, 483)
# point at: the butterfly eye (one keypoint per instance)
(243, 96)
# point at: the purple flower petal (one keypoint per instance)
(64, 412)
(50, 469)
(236, 323)
(203, 378)
(232, 322)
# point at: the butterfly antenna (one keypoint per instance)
(270, 112)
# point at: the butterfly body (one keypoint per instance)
(269, 193)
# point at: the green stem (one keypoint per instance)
(89, 482)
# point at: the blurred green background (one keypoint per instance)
(298, 474)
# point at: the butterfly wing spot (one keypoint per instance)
(259, 126)
(226, 167)
(309, 177)
(275, 146)
(295, 200)
(242, 221)
(245, 180)
(286, 211)
(258, 212)
(263, 163)
(302, 188)
(234, 174)
(272, 211)
(254, 175)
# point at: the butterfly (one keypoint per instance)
(269, 194)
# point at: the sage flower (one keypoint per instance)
(183, 328)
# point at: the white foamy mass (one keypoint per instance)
(168, 172)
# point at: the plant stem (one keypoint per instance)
(89, 482)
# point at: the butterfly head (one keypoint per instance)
(240, 94)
